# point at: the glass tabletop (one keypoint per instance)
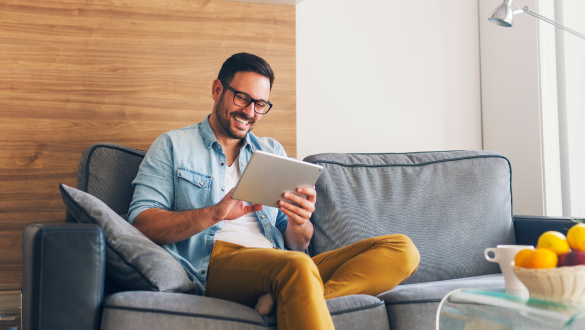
(467, 309)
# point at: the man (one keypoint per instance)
(240, 252)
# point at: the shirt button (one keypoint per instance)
(202, 272)
(263, 216)
(271, 240)
(201, 183)
(211, 234)
(221, 164)
(222, 189)
(242, 164)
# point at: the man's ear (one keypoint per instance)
(216, 89)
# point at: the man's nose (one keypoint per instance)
(249, 110)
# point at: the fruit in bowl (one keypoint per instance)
(576, 237)
(573, 258)
(555, 250)
(555, 269)
(537, 258)
(554, 241)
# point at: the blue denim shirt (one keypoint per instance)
(183, 170)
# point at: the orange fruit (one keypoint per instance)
(576, 237)
(554, 241)
(542, 258)
(521, 258)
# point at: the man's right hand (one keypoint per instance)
(166, 227)
(231, 209)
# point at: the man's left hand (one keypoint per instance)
(299, 215)
(299, 230)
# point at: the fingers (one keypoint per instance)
(311, 194)
(230, 209)
(284, 206)
(293, 216)
(308, 203)
(299, 214)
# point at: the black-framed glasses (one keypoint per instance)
(243, 100)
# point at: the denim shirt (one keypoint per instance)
(184, 169)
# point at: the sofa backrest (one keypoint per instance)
(106, 171)
(452, 205)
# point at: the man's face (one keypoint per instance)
(235, 122)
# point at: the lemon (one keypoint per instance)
(554, 241)
(576, 237)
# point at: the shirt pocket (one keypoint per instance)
(193, 190)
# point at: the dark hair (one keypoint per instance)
(247, 63)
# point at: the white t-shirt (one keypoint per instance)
(245, 230)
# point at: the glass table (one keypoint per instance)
(10, 308)
(474, 309)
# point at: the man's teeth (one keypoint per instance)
(241, 121)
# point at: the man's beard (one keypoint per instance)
(224, 119)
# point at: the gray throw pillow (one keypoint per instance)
(132, 260)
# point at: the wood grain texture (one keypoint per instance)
(77, 72)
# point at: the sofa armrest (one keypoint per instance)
(63, 276)
(529, 228)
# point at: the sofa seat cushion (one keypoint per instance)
(414, 306)
(163, 310)
(358, 312)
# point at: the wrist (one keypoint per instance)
(213, 214)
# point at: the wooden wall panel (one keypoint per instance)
(76, 72)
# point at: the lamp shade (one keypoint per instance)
(503, 15)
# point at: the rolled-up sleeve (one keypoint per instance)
(154, 184)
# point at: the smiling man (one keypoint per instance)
(245, 252)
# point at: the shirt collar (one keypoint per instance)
(209, 137)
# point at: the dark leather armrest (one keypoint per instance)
(529, 228)
(63, 276)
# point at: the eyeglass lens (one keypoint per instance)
(243, 100)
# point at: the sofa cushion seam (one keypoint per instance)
(356, 309)
(160, 311)
(420, 301)
(410, 165)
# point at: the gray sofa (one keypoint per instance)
(451, 204)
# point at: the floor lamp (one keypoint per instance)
(504, 16)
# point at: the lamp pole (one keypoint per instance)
(527, 10)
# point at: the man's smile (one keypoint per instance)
(241, 122)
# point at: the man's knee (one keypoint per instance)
(298, 265)
(405, 250)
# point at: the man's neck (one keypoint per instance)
(231, 146)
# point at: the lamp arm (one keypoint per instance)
(548, 20)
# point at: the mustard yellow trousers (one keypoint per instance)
(300, 284)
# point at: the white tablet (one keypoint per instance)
(267, 177)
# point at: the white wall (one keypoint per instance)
(524, 116)
(573, 57)
(511, 101)
(387, 76)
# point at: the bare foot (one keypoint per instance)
(266, 304)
